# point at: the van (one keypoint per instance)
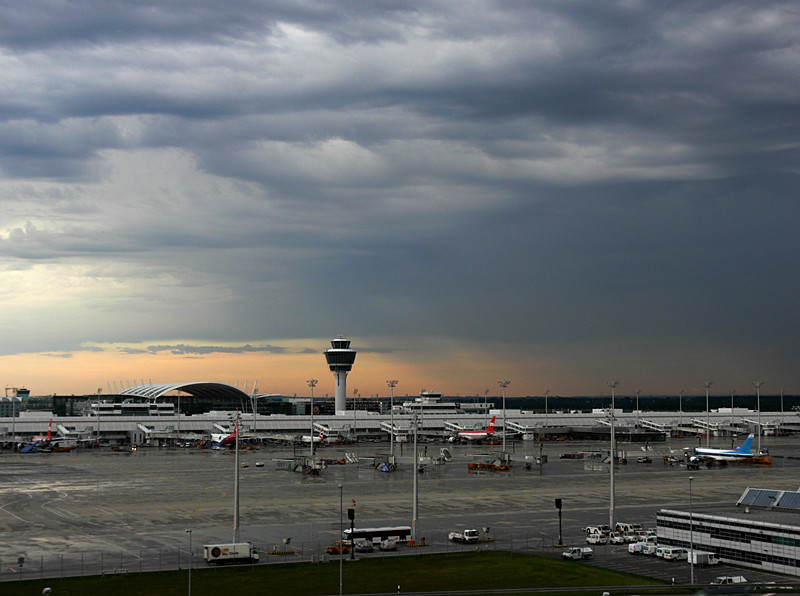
(596, 539)
(672, 553)
(649, 548)
(616, 538)
(635, 548)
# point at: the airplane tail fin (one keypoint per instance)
(490, 428)
(50, 430)
(747, 445)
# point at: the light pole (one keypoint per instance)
(680, 410)
(707, 384)
(312, 383)
(612, 384)
(392, 384)
(504, 384)
(732, 392)
(415, 497)
(758, 409)
(236, 479)
(638, 391)
(253, 400)
(546, 393)
(691, 534)
(341, 537)
(190, 562)
(14, 421)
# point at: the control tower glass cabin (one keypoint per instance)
(340, 360)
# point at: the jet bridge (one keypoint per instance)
(662, 427)
(453, 427)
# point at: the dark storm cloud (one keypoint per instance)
(552, 174)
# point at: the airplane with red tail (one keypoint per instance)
(475, 435)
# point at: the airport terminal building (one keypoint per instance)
(762, 531)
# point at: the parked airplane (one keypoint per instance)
(40, 442)
(475, 435)
(317, 438)
(219, 440)
(740, 453)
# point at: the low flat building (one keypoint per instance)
(761, 531)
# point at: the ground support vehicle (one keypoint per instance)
(362, 545)
(616, 538)
(234, 552)
(466, 537)
(340, 546)
(596, 539)
(702, 558)
(388, 545)
(649, 548)
(577, 553)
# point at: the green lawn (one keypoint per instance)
(481, 570)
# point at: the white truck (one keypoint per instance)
(702, 558)
(466, 537)
(232, 552)
(577, 553)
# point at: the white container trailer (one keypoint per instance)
(233, 552)
(702, 558)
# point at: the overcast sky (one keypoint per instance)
(557, 193)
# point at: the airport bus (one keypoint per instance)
(378, 535)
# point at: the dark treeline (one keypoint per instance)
(689, 403)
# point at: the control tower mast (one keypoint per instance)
(340, 360)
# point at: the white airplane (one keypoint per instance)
(740, 453)
(219, 440)
(317, 438)
(475, 435)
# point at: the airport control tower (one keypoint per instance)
(340, 360)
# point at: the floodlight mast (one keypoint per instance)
(392, 384)
(312, 383)
(236, 479)
(504, 384)
(638, 392)
(758, 385)
(612, 384)
(707, 384)
(546, 393)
